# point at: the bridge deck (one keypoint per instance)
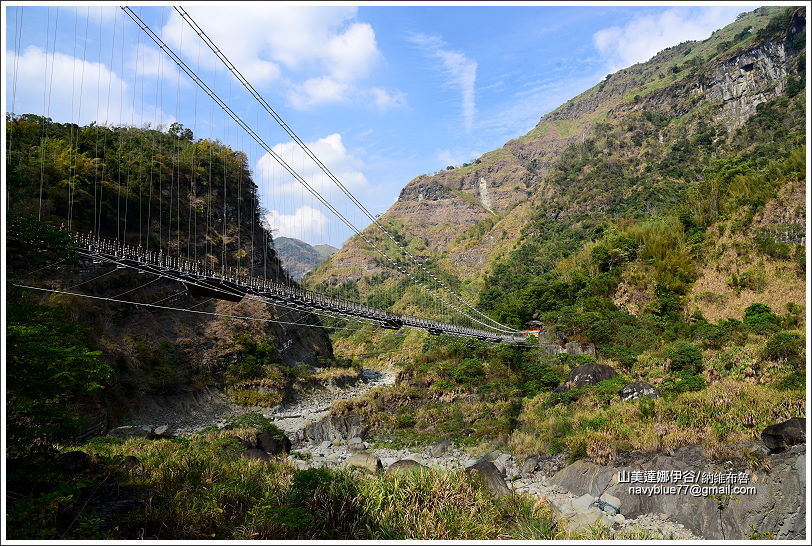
(233, 284)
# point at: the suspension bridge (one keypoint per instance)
(449, 313)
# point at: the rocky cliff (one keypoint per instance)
(466, 218)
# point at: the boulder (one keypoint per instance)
(365, 461)
(501, 463)
(584, 502)
(783, 435)
(129, 462)
(272, 444)
(777, 505)
(403, 465)
(609, 504)
(490, 476)
(333, 428)
(587, 375)
(74, 462)
(256, 453)
(638, 389)
(441, 448)
(529, 465)
(130, 431)
(355, 444)
(162, 432)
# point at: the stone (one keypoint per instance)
(129, 463)
(529, 465)
(441, 448)
(583, 502)
(300, 465)
(274, 445)
(325, 444)
(403, 465)
(161, 432)
(587, 375)
(365, 461)
(74, 462)
(491, 476)
(609, 504)
(501, 462)
(638, 389)
(256, 453)
(333, 428)
(130, 431)
(780, 436)
(355, 441)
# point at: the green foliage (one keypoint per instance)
(684, 381)
(50, 371)
(257, 422)
(785, 346)
(684, 357)
(468, 370)
(760, 319)
(250, 359)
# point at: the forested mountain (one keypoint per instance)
(298, 257)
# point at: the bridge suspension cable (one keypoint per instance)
(237, 119)
(281, 122)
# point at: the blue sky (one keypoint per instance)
(380, 93)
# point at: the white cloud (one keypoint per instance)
(460, 73)
(71, 81)
(306, 223)
(318, 91)
(384, 100)
(330, 150)
(644, 36)
(325, 53)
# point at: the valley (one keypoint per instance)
(643, 247)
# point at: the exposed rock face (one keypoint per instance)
(777, 506)
(638, 389)
(783, 435)
(334, 428)
(499, 191)
(270, 444)
(588, 375)
(491, 476)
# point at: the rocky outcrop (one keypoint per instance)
(781, 436)
(587, 375)
(333, 428)
(638, 389)
(491, 477)
(273, 444)
(776, 503)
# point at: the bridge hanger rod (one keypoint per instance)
(281, 122)
(189, 72)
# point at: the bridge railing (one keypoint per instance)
(189, 270)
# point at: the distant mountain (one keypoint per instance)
(299, 257)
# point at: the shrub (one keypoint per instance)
(684, 356)
(760, 319)
(684, 382)
(469, 370)
(257, 422)
(787, 346)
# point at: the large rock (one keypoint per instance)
(74, 462)
(403, 465)
(441, 448)
(777, 506)
(638, 389)
(784, 435)
(587, 375)
(131, 431)
(490, 475)
(333, 428)
(271, 444)
(365, 461)
(256, 453)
